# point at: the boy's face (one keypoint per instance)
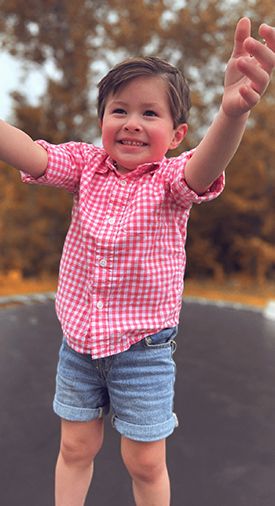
(137, 125)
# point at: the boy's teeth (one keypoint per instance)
(132, 143)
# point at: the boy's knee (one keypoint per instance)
(75, 454)
(80, 447)
(144, 461)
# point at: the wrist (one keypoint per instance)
(239, 119)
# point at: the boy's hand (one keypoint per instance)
(249, 69)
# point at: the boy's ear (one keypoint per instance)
(179, 134)
(100, 123)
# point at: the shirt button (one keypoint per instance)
(103, 262)
(99, 305)
(111, 221)
(123, 182)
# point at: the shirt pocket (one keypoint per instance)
(144, 213)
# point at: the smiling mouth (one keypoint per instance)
(132, 143)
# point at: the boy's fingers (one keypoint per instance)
(250, 96)
(268, 34)
(258, 76)
(262, 53)
(241, 34)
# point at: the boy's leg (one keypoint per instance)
(146, 463)
(80, 442)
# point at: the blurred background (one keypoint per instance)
(54, 52)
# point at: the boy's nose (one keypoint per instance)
(132, 125)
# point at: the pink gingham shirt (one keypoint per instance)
(122, 267)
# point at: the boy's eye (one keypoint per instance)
(150, 113)
(119, 111)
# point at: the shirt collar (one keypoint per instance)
(109, 164)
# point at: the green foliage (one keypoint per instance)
(83, 39)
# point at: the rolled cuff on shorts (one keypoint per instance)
(146, 433)
(75, 414)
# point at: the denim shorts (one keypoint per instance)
(138, 384)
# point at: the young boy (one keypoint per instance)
(121, 273)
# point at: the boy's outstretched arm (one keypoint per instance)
(20, 151)
(247, 76)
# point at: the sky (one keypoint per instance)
(9, 72)
(12, 75)
(15, 78)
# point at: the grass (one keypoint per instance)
(234, 290)
(14, 284)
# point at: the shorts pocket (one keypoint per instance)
(163, 339)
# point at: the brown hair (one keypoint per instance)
(177, 86)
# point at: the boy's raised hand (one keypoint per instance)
(249, 69)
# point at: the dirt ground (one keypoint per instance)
(235, 290)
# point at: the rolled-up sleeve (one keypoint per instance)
(182, 193)
(65, 165)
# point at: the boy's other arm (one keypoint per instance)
(247, 76)
(20, 151)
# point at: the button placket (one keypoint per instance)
(105, 254)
